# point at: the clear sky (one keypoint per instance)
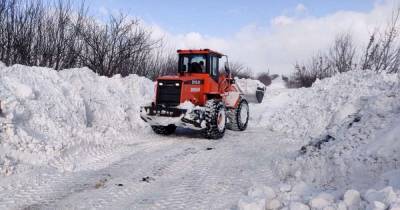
(220, 17)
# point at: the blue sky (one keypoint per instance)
(223, 17)
(263, 35)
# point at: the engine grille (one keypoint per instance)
(169, 94)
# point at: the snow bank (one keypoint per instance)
(349, 128)
(48, 114)
(360, 144)
(309, 112)
(301, 196)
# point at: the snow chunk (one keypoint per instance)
(262, 192)
(321, 201)
(298, 206)
(352, 199)
(274, 204)
(386, 195)
(374, 200)
(285, 188)
(249, 203)
(318, 203)
(376, 205)
(19, 90)
(186, 105)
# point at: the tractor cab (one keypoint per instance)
(199, 62)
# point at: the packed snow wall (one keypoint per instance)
(48, 113)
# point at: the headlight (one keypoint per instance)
(177, 84)
(160, 84)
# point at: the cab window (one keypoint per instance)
(214, 73)
(193, 63)
(214, 66)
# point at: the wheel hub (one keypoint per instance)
(221, 120)
(244, 113)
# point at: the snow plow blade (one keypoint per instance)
(164, 116)
(252, 90)
(256, 98)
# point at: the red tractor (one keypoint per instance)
(198, 97)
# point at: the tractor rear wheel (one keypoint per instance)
(238, 118)
(215, 117)
(164, 130)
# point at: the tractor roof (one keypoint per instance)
(201, 51)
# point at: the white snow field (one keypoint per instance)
(74, 140)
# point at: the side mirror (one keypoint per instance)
(227, 70)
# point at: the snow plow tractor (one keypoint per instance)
(198, 97)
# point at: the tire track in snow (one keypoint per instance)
(240, 171)
(171, 166)
(214, 181)
(130, 173)
(47, 185)
(180, 195)
(187, 176)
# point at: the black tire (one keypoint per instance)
(164, 130)
(236, 122)
(215, 116)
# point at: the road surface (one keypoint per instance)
(182, 171)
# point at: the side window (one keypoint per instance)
(185, 64)
(214, 66)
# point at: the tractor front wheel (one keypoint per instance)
(164, 130)
(239, 117)
(215, 117)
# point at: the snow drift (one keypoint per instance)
(49, 114)
(349, 129)
(312, 111)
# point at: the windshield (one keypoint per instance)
(193, 63)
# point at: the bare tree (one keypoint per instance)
(303, 77)
(265, 78)
(59, 36)
(163, 62)
(341, 55)
(383, 51)
(240, 70)
(339, 58)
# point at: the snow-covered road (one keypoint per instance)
(182, 171)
